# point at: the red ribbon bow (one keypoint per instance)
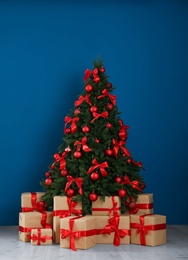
(35, 205)
(123, 131)
(78, 181)
(102, 167)
(71, 209)
(73, 123)
(118, 146)
(39, 238)
(134, 184)
(97, 115)
(81, 99)
(83, 144)
(61, 159)
(87, 74)
(106, 94)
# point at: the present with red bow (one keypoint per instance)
(78, 232)
(143, 204)
(115, 230)
(63, 207)
(41, 236)
(111, 206)
(148, 230)
(31, 220)
(32, 201)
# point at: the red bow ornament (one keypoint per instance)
(82, 99)
(118, 146)
(61, 159)
(106, 94)
(102, 167)
(123, 131)
(134, 184)
(73, 122)
(83, 144)
(97, 115)
(78, 181)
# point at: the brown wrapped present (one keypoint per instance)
(110, 207)
(32, 201)
(115, 230)
(78, 232)
(41, 236)
(148, 230)
(143, 205)
(31, 220)
(63, 207)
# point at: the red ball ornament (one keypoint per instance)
(93, 196)
(96, 79)
(70, 192)
(77, 111)
(86, 129)
(109, 85)
(142, 185)
(64, 172)
(95, 176)
(41, 204)
(129, 160)
(93, 109)
(48, 174)
(67, 131)
(109, 106)
(108, 125)
(122, 193)
(118, 179)
(132, 205)
(109, 152)
(48, 182)
(97, 140)
(77, 154)
(102, 70)
(89, 88)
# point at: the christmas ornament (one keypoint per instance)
(97, 140)
(67, 131)
(142, 185)
(70, 192)
(128, 160)
(108, 125)
(89, 88)
(77, 111)
(64, 172)
(48, 174)
(48, 181)
(95, 72)
(86, 129)
(68, 149)
(41, 204)
(118, 179)
(109, 85)
(95, 176)
(93, 109)
(96, 79)
(77, 154)
(109, 106)
(132, 205)
(102, 70)
(109, 152)
(122, 193)
(93, 196)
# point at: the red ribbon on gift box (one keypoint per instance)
(140, 206)
(35, 205)
(112, 211)
(75, 234)
(71, 209)
(143, 229)
(39, 238)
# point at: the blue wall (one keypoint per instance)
(45, 47)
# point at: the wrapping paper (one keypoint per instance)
(144, 204)
(110, 207)
(30, 201)
(41, 236)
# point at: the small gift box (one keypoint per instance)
(32, 201)
(31, 220)
(109, 207)
(115, 230)
(41, 236)
(78, 232)
(148, 230)
(143, 204)
(63, 207)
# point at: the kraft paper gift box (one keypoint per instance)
(41, 236)
(32, 201)
(111, 206)
(31, 220)
(63, 207)
(144, 204)
(148, 230)
(78, 232)
(115, 230)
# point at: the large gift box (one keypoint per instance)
(143, 205)
(109, 207)
(148, 230)
(32, 201)
(63, 207)
(115, 230)
(41, 236)
(78, 232)
(31, 220)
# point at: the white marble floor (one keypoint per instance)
(176, 248)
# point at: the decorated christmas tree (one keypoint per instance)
(93, 160)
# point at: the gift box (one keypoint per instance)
(32, 201)
(78, 232)
(63, 207)
(144, 205)
(115, 230)
(148, 230)
(41, 236)
(109, 207)
(31, 220)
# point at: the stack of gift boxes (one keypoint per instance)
(66, 226)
